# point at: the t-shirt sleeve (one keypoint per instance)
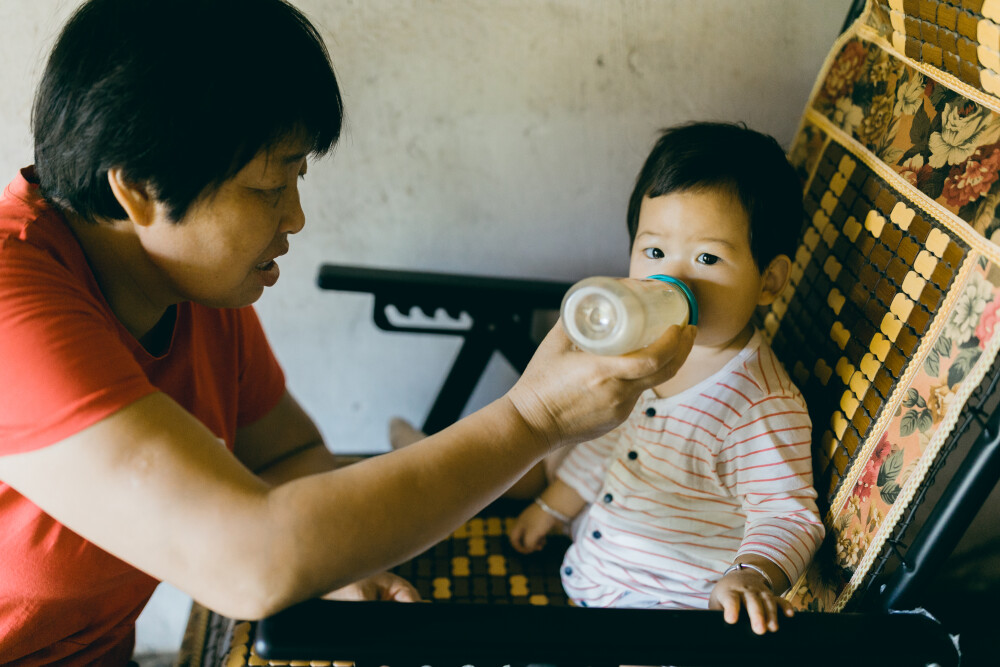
(65, 365)
(766, 460)
(261, 380)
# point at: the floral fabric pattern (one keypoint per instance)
(945, 145)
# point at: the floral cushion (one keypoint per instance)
(889, 325)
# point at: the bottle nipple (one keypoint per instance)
(596, 316)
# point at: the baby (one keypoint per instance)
(703, 498)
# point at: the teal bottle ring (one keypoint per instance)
(685, 290)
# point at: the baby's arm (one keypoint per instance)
(580, 478)
(558, 503)
(767, 462)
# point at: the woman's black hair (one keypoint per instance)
(178, 94)
(732, 158)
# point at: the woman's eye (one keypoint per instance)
(706, 258)
(653, 253)
(271, 195)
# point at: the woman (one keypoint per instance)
(146, 433)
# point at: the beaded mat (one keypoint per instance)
(888, 326)
(476, 564)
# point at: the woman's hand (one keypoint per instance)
(382, 586)
(566, 395)
(748, 588)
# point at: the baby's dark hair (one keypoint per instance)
(733, 158)
(179, 95)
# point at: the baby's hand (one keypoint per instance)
(530, 529)
(748, 588)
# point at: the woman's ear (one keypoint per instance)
(135, 198)
(775, 278)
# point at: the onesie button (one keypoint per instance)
(650, 412)
(633, 455)
(608, 497)
(596, 534)
(568, 571)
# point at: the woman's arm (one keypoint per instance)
(284, 445)
(151, 485)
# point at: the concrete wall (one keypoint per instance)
(489, 137)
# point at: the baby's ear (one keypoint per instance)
(774, 278)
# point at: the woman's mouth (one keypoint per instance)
(268, 272)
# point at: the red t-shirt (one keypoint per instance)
(68, 363)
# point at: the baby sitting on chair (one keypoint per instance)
(703, 498)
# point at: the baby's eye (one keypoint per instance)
(653, 253)
(706, 258)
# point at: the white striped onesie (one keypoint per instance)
(690, 482)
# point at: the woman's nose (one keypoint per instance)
(293, 218)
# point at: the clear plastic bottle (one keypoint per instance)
(612, 316)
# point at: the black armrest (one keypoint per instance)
(385, 633)
(495, 298)
(500, 309)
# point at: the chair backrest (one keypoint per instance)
(888, 325)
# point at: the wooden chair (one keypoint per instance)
(888, 328)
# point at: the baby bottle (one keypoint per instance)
(612, 316)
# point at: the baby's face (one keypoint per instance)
(702, 238)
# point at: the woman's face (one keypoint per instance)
(222, 252)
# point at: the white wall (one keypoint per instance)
(483, 136)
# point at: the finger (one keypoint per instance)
(517, 540)
(755, 610)
(527, 541)
(351, 592)
(730, 607)
(770, 606)
(683, 347)
(673, 346)
(531, 540)
(786, 607)
(557, 339)
(402, 590)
